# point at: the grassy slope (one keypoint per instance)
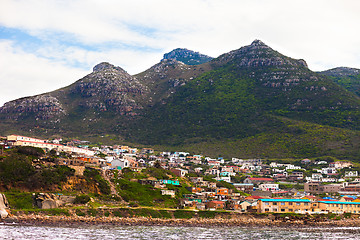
(351, 83)
(294, 139)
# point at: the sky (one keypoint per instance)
(49, 44)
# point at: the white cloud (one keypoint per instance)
(25, 74)
(323, 32)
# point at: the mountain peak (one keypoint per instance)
(341, 72)
(257, 42)
(187, 56)
(105, 66)
(258, 54)
(102, 66)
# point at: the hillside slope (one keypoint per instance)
(348, 78)
(239, 97)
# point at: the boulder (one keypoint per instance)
(3, 206)
(50, 200)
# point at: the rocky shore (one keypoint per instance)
(246, 220)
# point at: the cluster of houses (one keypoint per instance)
(257, 185)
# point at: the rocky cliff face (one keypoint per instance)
(41, 107)
(258, 54)
(187, 56)
(110, 88)
(107, 88)
(3, 206)
(276, 72)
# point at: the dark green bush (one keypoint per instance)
(206, 214)
(184, 214)
(31, 151)
(82, 199)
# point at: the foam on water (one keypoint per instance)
(97, 232)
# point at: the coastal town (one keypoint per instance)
(305, 186)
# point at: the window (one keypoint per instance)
(282, 203)
(274, 203)
(298, 204)
(290, 210)
(266, 203)
(290, 203)
(266, 209)
(283, 210)
(305, 204)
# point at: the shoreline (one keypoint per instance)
(245, 221)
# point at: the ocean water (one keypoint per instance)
(101, 232)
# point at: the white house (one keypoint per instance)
(269, 187)
(123, 163)
(350, 174)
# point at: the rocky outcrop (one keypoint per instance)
(110, 88)
(49, 200)
(187, 56)
(4, 205)
(40, 107)
(258, 54)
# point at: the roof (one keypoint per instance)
(253, 197)
(312, 197)
(275, 192)
(243, 184)
(284, 200)
(41, 143)
(338, 202)
(218, 202)
(261, 179)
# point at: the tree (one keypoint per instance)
(157, 164)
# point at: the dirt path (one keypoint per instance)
(112, 186)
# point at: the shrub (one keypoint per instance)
(82, 199)
(206, 214)
(32, 151)
(184, 214)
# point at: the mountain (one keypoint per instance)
(187, 56)
(252, 101)
(247, 92)
(349, 78)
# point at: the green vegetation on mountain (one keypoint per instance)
(256, 112)
(253, 98)
(348, 78)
